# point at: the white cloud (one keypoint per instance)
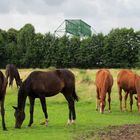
(47, 15)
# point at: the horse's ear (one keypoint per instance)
(136, 98)
(14, 107)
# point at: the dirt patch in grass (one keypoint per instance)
(125, 132)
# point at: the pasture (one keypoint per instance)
(88, 120)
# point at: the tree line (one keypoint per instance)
(120, 48)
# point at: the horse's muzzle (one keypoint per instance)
(18, 127)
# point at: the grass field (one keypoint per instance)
(88, 120)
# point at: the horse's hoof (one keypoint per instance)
(69, 122)
(101, 112)
(73, 122)
(29, 125)
(109, 111)
(46, 122)
(42, 123)
(96, 109)
(5, 129)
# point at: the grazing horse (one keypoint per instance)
(3, 85)
(45, 84)
(104, 82)
(12, 72)
(129, 82)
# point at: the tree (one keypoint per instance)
(12, 49)
(3, 43)
(24, 42)
(121, 49)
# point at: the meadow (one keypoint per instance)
(88, 120)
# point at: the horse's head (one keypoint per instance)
(19, 116)
(102, 105)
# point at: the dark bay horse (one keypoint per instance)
(45, 84)
(12, 73)
(3, 85)
(104, 82)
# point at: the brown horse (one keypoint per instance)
(12, 72)
(45, 84)
(104, 82)
(3, 85)
(129, 82)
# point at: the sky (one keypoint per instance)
(47, 15)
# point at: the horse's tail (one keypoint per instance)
(75, 95)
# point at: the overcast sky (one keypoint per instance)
(47, 15)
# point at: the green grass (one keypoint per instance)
(88, 120)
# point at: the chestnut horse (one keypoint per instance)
(130, 83)
(45, 84)
(12, 72)
(3, 85)
(104, 82)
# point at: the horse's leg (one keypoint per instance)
(11, 81)
(71, 106)
(7, 75)
(131, 101)
(3, 114)
(120, 97)
(32, 101)
(97, 99)
(125, 101)
(44, 108)
(109, 101)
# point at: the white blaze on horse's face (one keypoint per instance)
(101, 109)
(102, 106)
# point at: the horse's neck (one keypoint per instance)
(17, 77)
(21, 99)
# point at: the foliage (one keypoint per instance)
(25, 48)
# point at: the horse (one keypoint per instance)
(46, 84)
(3, 85)
(12, 73)
(129, 82)
(104, 82)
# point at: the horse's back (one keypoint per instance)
(49, 83)
(126, 80)
(104, 79)
(67, 76)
